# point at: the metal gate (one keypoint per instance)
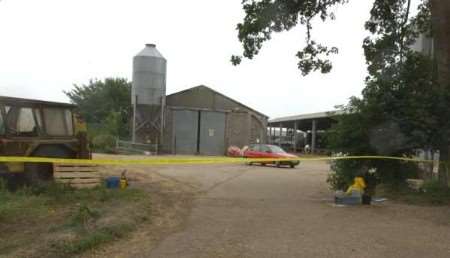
(185, 129)
(212, 133)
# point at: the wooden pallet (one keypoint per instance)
(77, 175)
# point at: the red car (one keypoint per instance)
(258, 151)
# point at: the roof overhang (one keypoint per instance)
(303, 122)
(32, 102)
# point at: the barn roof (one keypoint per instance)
(31, 102)
(220, 94)
(317, 115)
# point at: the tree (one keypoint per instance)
(400, 111)
(105, 105)
(440, 10)
(264, 17)
(393, 28)
(406, 84)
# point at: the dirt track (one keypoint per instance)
(254, 211)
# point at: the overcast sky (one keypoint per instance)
(46, 46)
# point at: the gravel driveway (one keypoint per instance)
(255, 211)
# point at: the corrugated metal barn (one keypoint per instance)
(202, 121)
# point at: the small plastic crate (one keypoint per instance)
(112, 182)
(347, 200)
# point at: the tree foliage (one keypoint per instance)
(389, 18)
(105, 105)
(401, 111)
(262, 18)
(402, 108)
(401, 87)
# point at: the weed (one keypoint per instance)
(84, 216)
(81, 244)
(92, 239)
(3, 185)
(12, 206)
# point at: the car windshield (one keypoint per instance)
(276, 149)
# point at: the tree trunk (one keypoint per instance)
(440, 15)
(429, 167)
(443, 165)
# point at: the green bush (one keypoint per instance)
(431, 193)
(391, 173)
(435, 192)
(104, 143)
(342, 173)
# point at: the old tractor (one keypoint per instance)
(34, 128)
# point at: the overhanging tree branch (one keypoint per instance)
(266, 17)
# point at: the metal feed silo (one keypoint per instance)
(148, 95)
(149, 77)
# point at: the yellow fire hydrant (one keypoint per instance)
(123, 180)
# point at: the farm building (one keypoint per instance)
(198, 120)
(201, 120)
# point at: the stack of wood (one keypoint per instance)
(77, 175)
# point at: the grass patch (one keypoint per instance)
(83, 216)
(430, 194)
(67, 221)
(91, 240)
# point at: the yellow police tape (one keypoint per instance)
(191, 160)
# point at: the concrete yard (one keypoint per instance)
(255, 211)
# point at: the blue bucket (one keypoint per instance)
(112, 182)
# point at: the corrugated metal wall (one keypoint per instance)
(185, 128)
(212, 133)
(200, 132)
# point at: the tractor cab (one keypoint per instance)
(35, 128)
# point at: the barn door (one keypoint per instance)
(185, 131)
(212, 133)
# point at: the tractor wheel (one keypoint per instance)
(12, 180)
(42, 172)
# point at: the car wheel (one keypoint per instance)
(263, 164)
(278, 164)
(249, 163)
(292, 165)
